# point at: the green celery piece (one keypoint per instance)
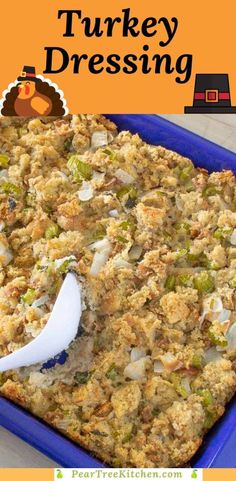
(68, 144)
(185, 173)
(22, 131)
(210, 419)
(184, 280)
(2, 379)
(112, 372)
(82, 377)
(207, 399)
(170, 282)
(197, 361)
(232, 282)
(176, 381)
(122, 239)
(127, 437)
(52, 231)
(177, 170)
(161, 192)
(222, 232)
(110, 153)
(181, 253)
(189, 187)
(129, 190)
(217, 340)
(198, 259)
(166, 235)
(127, 224)
(193, 258)
(55, 286)
(99, 233)
(155, 411)
(210, 190)
(212, 265)
(80, 170)
(10, 188)
(204, 282)
(4, 161)
(65, 266)
(182, 226)
(29, 297)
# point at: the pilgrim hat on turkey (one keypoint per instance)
(211, 95)
(28, 73)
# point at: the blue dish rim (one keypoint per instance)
(41, 436)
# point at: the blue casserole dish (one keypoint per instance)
(218, 449)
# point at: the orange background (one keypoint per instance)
(206, 30)
(23, 474)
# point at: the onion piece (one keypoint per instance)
(36, 378)
(136, 370)
(119, 262)
(114, 213)
(41, 379)
(60, 174)
(98, 179)
(224, 315)
(123, 176)
(103, 249)
(135, 252)
(86, 191)
(101, 245)
(185, 382)
(4, 174)
(99, 139)
(99, 261)
(33, 331)
(2, 225)
(98, 176)
(63, 424)
(232, 238)
(137, 353)
(41, 301)
(212, 355)
(213, 304)
(170, 362)
(6, 255)
(201, 319)
(158, 367)
(231, 338)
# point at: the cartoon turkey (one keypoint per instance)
(32, 97)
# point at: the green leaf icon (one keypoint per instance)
(59, 474)
(194, 474)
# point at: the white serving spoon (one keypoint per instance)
(58, 333)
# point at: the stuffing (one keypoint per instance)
(219, 381)
(160, 393)
(174, 308)
(150, 217)
(186, 418)
(227, 218)
(125, 400)
(151, 239)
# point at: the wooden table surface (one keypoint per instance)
(218, 128)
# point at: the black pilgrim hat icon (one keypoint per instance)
(28, 73)
(211, 95)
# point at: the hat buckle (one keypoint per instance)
(212, 95)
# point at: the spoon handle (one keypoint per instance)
(59, 332)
